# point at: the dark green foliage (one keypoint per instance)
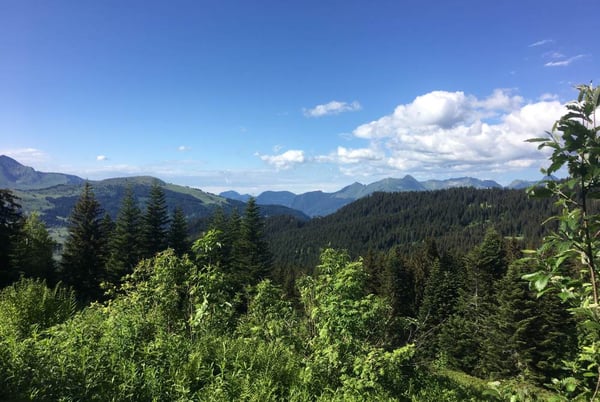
(33, 253)
(461, 340)
(86, 249)
(177, 237)
(456, 218)
(253, 251)
(10, 225)
(125, 243)
(440, 299)
(530, 336)
(155, 223)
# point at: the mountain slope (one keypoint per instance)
(14, 175)
(457, 218)
(55, 203)
(318, 203)
(53, 195)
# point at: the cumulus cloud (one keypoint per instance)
(541, 42)
(101, 158)
(453, 132)
(343, 155)
(285, 160)
(564, 62)
(333, 107)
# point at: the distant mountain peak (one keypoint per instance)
(16, 176)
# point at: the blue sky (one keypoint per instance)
(289, 95)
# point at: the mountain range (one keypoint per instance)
(54, 194)
(318, 203)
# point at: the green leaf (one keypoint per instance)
(541, 283)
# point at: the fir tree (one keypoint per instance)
(530, 336)
(10, 225)
(33, 255)
(177, 236)
(84, 259)
(439, 303)
(155, 222)
(253, 249)
(125, 243)
(463, 336)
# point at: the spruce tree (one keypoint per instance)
(125, 245)
(530, 337)
(177, 236)
(439, 303)
(33, 254)
(155, 223)
(84, 257)
(398, 284)
(463, 335)
(11, 221)
(254, 250)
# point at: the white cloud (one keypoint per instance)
(554, 55)
(27, 156)
(183, 148)
(563, 63)
(450, 132)
(500, 100)
(546, 97)
(285, 160)
(333, 107)
(541, 42)
(101, 158)
(345, 155)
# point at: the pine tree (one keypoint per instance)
(10, 225)
(33, 255)
(84, 258)
(125, 247)
(155, 222)
(177, 236)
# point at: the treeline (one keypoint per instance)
(97, 250)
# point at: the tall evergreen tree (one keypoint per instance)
(125, 247)
(33, 255)
(530, 336)
(463, 340)
(177, 236)
(398, 284)
(439, 303)
(486, 264)
(84, 257)
(10, 225)
(253, 249)
(155, 223)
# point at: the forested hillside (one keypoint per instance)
(456, 218)
(55, 203)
